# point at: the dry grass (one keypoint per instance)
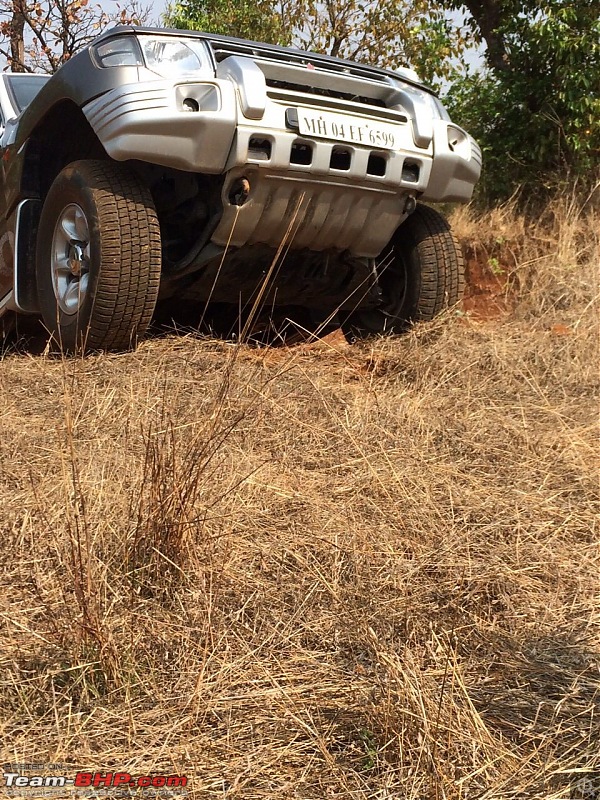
(323, 571)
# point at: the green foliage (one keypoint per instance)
(388, 33)
(247, 19)
(538, 117)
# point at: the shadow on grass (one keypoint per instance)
(290, 325)
(543, 695)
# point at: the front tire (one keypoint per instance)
(98, 257)
(418, 274)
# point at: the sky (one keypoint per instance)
(157, 8)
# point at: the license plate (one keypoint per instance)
(344, 128)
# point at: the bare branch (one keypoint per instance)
(43, 35)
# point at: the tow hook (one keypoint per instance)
(239, 191)
(410, 205)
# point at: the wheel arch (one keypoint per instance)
(47, 151)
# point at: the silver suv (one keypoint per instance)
(159, 169)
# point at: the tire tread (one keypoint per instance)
(128, 278)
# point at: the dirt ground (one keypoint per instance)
(322, 571)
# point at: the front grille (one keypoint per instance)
(295, 77)
(223, 50)
(314, 90)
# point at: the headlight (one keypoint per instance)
(122, 51)
(164, 55)
(174, 57)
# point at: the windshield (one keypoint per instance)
(24, 88)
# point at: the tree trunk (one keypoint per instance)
(17, 37)
(488, 16)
